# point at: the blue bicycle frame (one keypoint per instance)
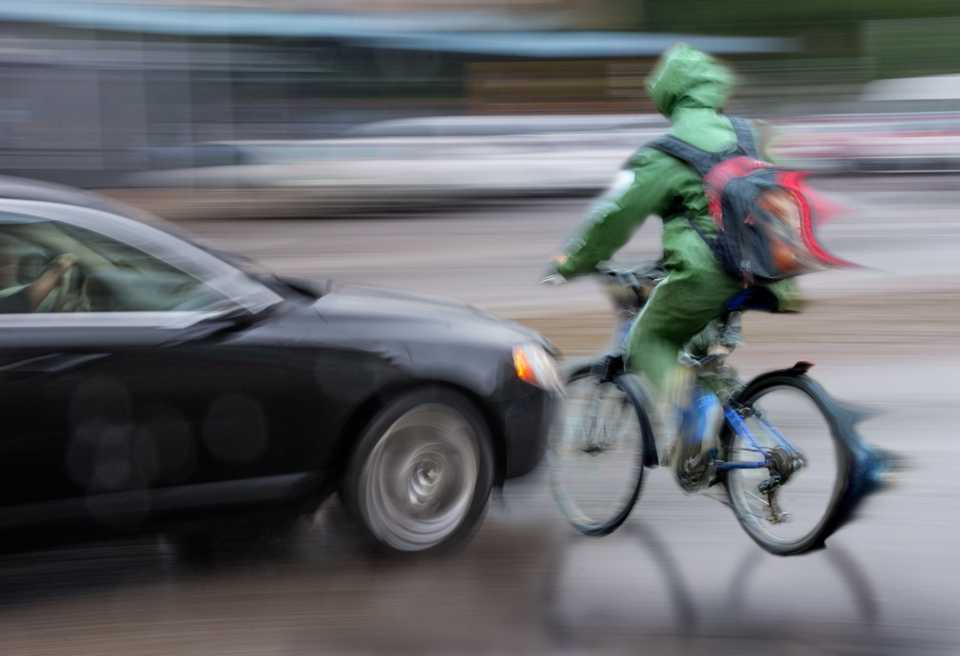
(740, 427)
(732, 416)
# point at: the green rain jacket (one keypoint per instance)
(689, 87)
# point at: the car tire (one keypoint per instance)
(421, 473)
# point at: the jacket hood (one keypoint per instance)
(687, 77)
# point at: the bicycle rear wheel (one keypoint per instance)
(596, 451)
(793, 424)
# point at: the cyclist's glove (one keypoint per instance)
(551, 276)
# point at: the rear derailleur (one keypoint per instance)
(781, 466)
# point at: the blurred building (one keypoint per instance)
(570, 13)
(95, 89)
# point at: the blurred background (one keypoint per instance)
(326, 100)
(449, 147)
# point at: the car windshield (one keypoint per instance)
(249, 267)
(52, 266)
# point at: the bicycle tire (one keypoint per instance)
(838, 506)
(634, 394)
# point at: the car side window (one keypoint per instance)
(50, 266)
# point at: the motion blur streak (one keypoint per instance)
(448, 147)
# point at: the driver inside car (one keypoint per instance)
(17, 297)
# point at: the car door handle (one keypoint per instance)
(50, 363)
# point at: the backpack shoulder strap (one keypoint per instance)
(701, 160)
(745, 138)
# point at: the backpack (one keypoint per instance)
(766, 216)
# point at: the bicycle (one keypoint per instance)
(780, 435)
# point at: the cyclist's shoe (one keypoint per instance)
(699, 423)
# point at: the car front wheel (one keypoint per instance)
(422, 471)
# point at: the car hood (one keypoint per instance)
(406, 315)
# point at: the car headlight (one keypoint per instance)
(535, 366)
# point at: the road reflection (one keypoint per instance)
(635, 584)
(528, 585)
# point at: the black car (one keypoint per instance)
(147, 382)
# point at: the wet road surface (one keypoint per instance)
(679, 578)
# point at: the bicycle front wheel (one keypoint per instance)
(596, 451)
(789, 422)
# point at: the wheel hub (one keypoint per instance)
(426, 478)
(421, 477)
(783, 465)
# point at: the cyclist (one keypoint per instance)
(690, 88)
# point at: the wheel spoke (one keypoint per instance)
(801, 428)
(759, 499)
(596, 482)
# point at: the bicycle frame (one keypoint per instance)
(731, 415)
(740, 427)
(860, 468)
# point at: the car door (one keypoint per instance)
(137, 387)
